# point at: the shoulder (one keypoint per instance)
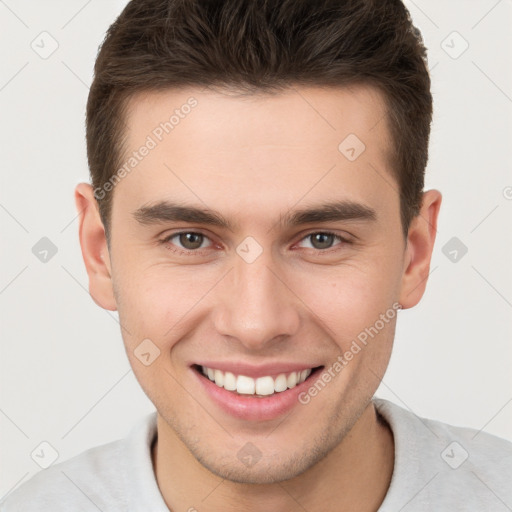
(100, 478)
(88, 481)
(447, 465)
(465, 445)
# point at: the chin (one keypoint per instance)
(267, 470)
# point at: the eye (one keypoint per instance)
(192, 241)
(188, 240)
(322, 240)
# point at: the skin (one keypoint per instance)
(254, 159)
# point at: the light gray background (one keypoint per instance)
(65, 378)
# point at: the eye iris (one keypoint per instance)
(322, 240)
(191, 240)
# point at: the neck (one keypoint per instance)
(354, 476)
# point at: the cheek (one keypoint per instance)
(349, 299)
(355, 308)
(153, 313)
(157, 302)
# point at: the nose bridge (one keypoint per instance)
(257, 306)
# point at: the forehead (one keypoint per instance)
(293, 116)
(260, 150)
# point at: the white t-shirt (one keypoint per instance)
(438, 467)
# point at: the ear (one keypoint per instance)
(94, 247)
(418, 252)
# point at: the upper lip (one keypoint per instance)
(255, 371)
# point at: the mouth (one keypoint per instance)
(264, 386)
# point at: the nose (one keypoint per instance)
(256, 307)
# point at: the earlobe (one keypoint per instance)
(94, 248)
(420, 245)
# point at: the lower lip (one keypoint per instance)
(253, 408)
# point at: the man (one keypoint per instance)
(257, 218)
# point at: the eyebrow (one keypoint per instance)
(166, 211)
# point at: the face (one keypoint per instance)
(251, 239)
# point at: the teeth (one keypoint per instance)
(304, 374)
(219, 378)
(262, 386)
(229, 381)
(280, 383)
(291, 381)
(245, 385)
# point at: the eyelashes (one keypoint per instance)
(201, 237)
(328, 233)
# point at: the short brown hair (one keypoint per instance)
(263, 45)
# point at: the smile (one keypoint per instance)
(254, 393)
(262, 386)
